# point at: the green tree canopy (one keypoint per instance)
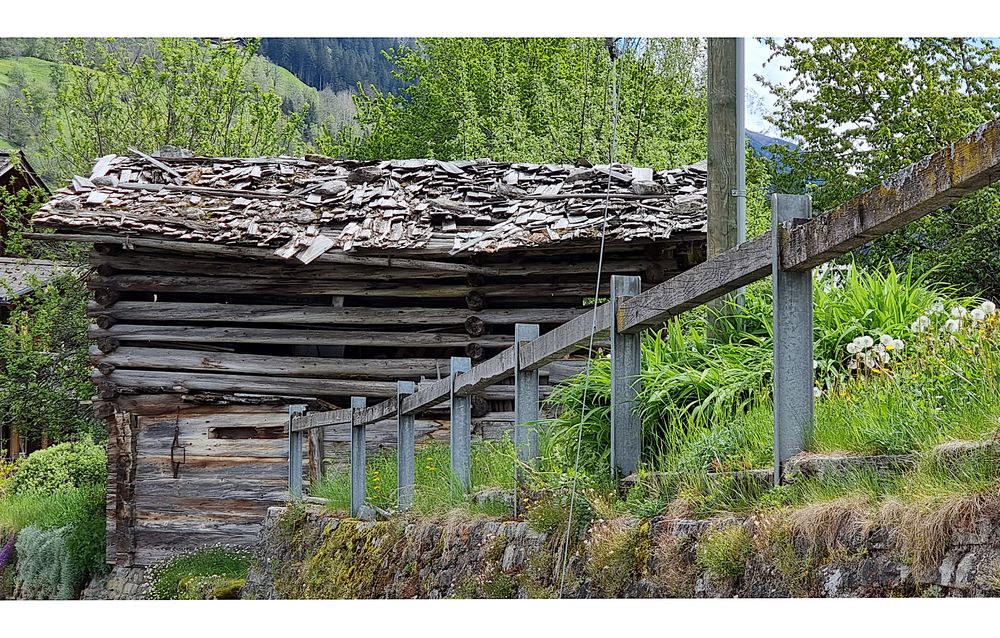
(534, 100)
(865, 107)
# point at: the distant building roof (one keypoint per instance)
(14, 165)
(306, 206)
(19, 277)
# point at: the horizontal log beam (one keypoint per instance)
(566, 338)
(318, 337)
(207, 249)
(181, 382)
(238, 313)
(137, 261)
(723, 273)
(318, 367)
(966, 165)
(314, 286)
(312, 420)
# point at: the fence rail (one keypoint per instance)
(797, 243)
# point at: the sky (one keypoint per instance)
(759, 100)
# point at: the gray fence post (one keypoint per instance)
(525, 400)
(461, 426)
(406, 476)
(793, 340)
(357, 460)
(294, 454)
(626, 362)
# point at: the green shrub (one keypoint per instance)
(60, 467)
(44, 567)
(724, 552)
(70, 521)
(210, 572)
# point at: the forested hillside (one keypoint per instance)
(336, 63)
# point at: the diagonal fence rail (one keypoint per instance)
(797, 243)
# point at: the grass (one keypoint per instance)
(37, 72)
(214, 572)
(437, 489)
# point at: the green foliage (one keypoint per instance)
(536, 100)
(865, 107)
(213, 572)
(60, 467)
(190, 93)
(705, 403)
(618, 553)
(724, 552)
(44, 570)
(437, 489)
(44, 363)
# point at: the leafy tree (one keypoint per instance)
(189, 93)
(865, 107)
(534, 99)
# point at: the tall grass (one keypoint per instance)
(437, 488)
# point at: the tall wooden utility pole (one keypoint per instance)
(726, 150)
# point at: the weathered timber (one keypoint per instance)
(735, 267)
(173, 359)
(139, 261)
(233, 313)
(960, 168)
(108, 287)
(156, 381)
(312, 420)
(195, 248)
(567, 338)
(235, 334)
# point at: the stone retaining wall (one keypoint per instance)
(305, 552)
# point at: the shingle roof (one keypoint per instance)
(19, 277)
(7, 164)
(305, 206)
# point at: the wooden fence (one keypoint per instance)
(797, 243)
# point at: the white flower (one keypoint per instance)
(817, 393)
(885, 340)
(815, 364)
(924, 321)
(853, 347)
(915, 327)
(959, 311)
(953, 325)
(988, 307)
(866, 341)
(897, 344)
(937, 306)
(978, 315)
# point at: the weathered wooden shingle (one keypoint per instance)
(286, 203)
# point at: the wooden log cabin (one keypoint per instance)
(226, 289)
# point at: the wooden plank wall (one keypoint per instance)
(219, 347)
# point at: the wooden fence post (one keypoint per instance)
(357, 459)
(294, 454)
(626, 362)
(461, 426)
(317, 454)
(405, 450)
(793, 339)
(525, 400)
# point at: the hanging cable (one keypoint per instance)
(564, 552)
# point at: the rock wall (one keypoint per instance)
(305, 552)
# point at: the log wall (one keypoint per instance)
(214, 348)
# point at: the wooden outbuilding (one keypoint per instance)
(226, 289)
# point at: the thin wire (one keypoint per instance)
(593, 326)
